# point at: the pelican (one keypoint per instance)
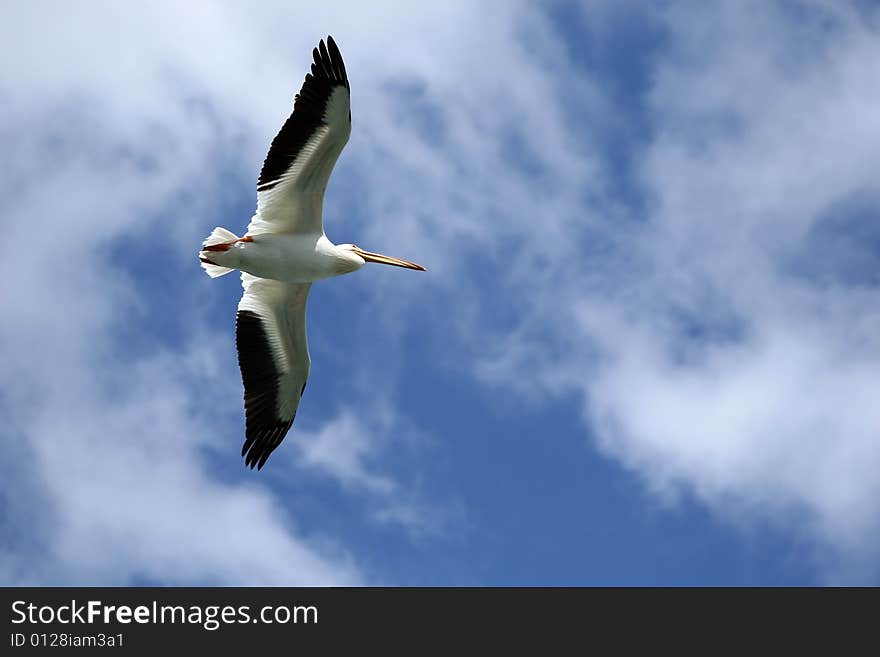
(285, 250)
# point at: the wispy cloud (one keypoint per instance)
(339, 449)
(711, 356)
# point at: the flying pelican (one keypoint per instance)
(284, 250)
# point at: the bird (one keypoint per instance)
(284, 250)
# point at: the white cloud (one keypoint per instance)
(118, 460)
(711, 359)
(339, 448)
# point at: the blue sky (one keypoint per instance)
(645, 351)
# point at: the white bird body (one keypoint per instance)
(270, 255)
(284, 250)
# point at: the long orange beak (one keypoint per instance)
(386, 260)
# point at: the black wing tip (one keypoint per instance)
(259, 445)
(328, 62)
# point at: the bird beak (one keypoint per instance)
(386, 260)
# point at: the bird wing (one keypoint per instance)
(290, 190)
(273, 354)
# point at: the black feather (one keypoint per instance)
(264, 428)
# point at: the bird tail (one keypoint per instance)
(217, 237)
